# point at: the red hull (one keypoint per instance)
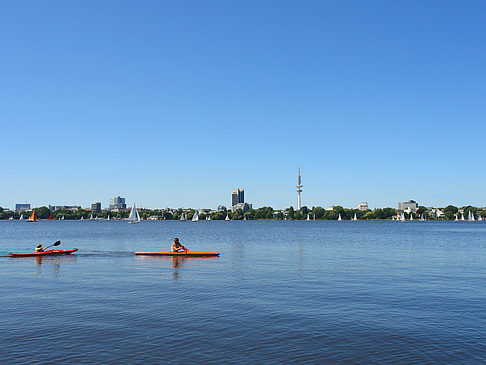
(44, 253)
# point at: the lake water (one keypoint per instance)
(281, 292)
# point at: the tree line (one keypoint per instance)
(263, 213)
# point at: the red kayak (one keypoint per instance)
(182, 253)
(44, 253)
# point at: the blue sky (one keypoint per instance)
(174, 103)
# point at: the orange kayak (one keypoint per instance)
(183, 253)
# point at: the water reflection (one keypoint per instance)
(53, 262)
(177, 263)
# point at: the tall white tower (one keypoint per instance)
(299, 189)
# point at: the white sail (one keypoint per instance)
(314, 218)
(227, 217)
(479, 217)
(134, 217)
(21, 217)
(402, 217)
(11, 218)
(91, 217)
(422, 217)
(82, 218)
(195, 217)
(339, 218)
(457, 217)
(462, 216)
(244, 218)
(183, 217)
(108, 218)
(355, 217)
(308, 217)
(471, 216)
(411, 216)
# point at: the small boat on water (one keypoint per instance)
(339, 218)
(33, 217)
(134, 217)
(21, 217)
(480, 218)
(183, 217)
(54, 252)
(50, 217)
(355, 218)
(462, 217)
(187, 253)
(108, 218)
(227, 218)
(195, 217)
(308, 217)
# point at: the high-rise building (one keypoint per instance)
(96, 207)
(411, 205)
(299, 187)
(21, 207)
(117, 203)
(363, 206)
(237, 196)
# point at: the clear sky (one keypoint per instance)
(174, 103)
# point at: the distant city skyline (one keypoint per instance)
(379, 102)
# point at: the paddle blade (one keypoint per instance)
(57, 243)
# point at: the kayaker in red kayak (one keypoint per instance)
(176, 246)
(39, 248)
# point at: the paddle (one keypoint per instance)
(57, 243)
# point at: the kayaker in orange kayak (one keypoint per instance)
(176, 246)
(39, 248)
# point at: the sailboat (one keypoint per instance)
(457, 217)
(471, 217)
(479, 217)
(355, 218)
(50, 217)
(227, 218)
(108, 218)
(308, 217)
(462, 217)
(33, 217)
(314, 218)
(91, 217)
(82, 218)
(339, 218)
(134, 217)
(244, 218)
(11, 218)
(209, 217)
(21, 217)
(422, 217)
(195, 217)
(183, 217)
(402, 217)
(411, 216)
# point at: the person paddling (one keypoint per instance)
(39, 248)
(176, 246)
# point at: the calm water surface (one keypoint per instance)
(281, 292)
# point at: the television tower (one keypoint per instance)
(299, 189)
